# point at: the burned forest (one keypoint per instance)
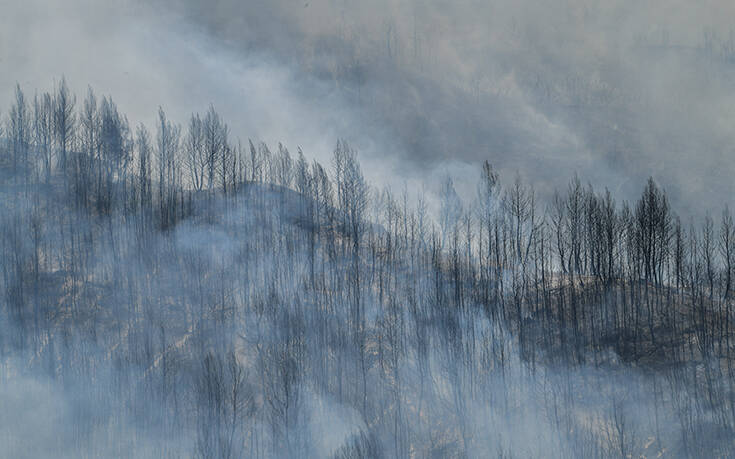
(322, 230)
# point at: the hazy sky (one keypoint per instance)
(616, 90)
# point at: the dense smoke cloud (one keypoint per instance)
(616, 90)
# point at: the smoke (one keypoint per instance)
(616, 91)
(149, 57)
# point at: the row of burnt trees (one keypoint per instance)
(316, 296)
(591, 264)
(501, 243)
(108, 163)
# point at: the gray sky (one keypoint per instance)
(616, 90)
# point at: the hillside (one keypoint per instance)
(184, 296)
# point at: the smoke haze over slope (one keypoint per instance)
(169, 288)
(615, 90)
